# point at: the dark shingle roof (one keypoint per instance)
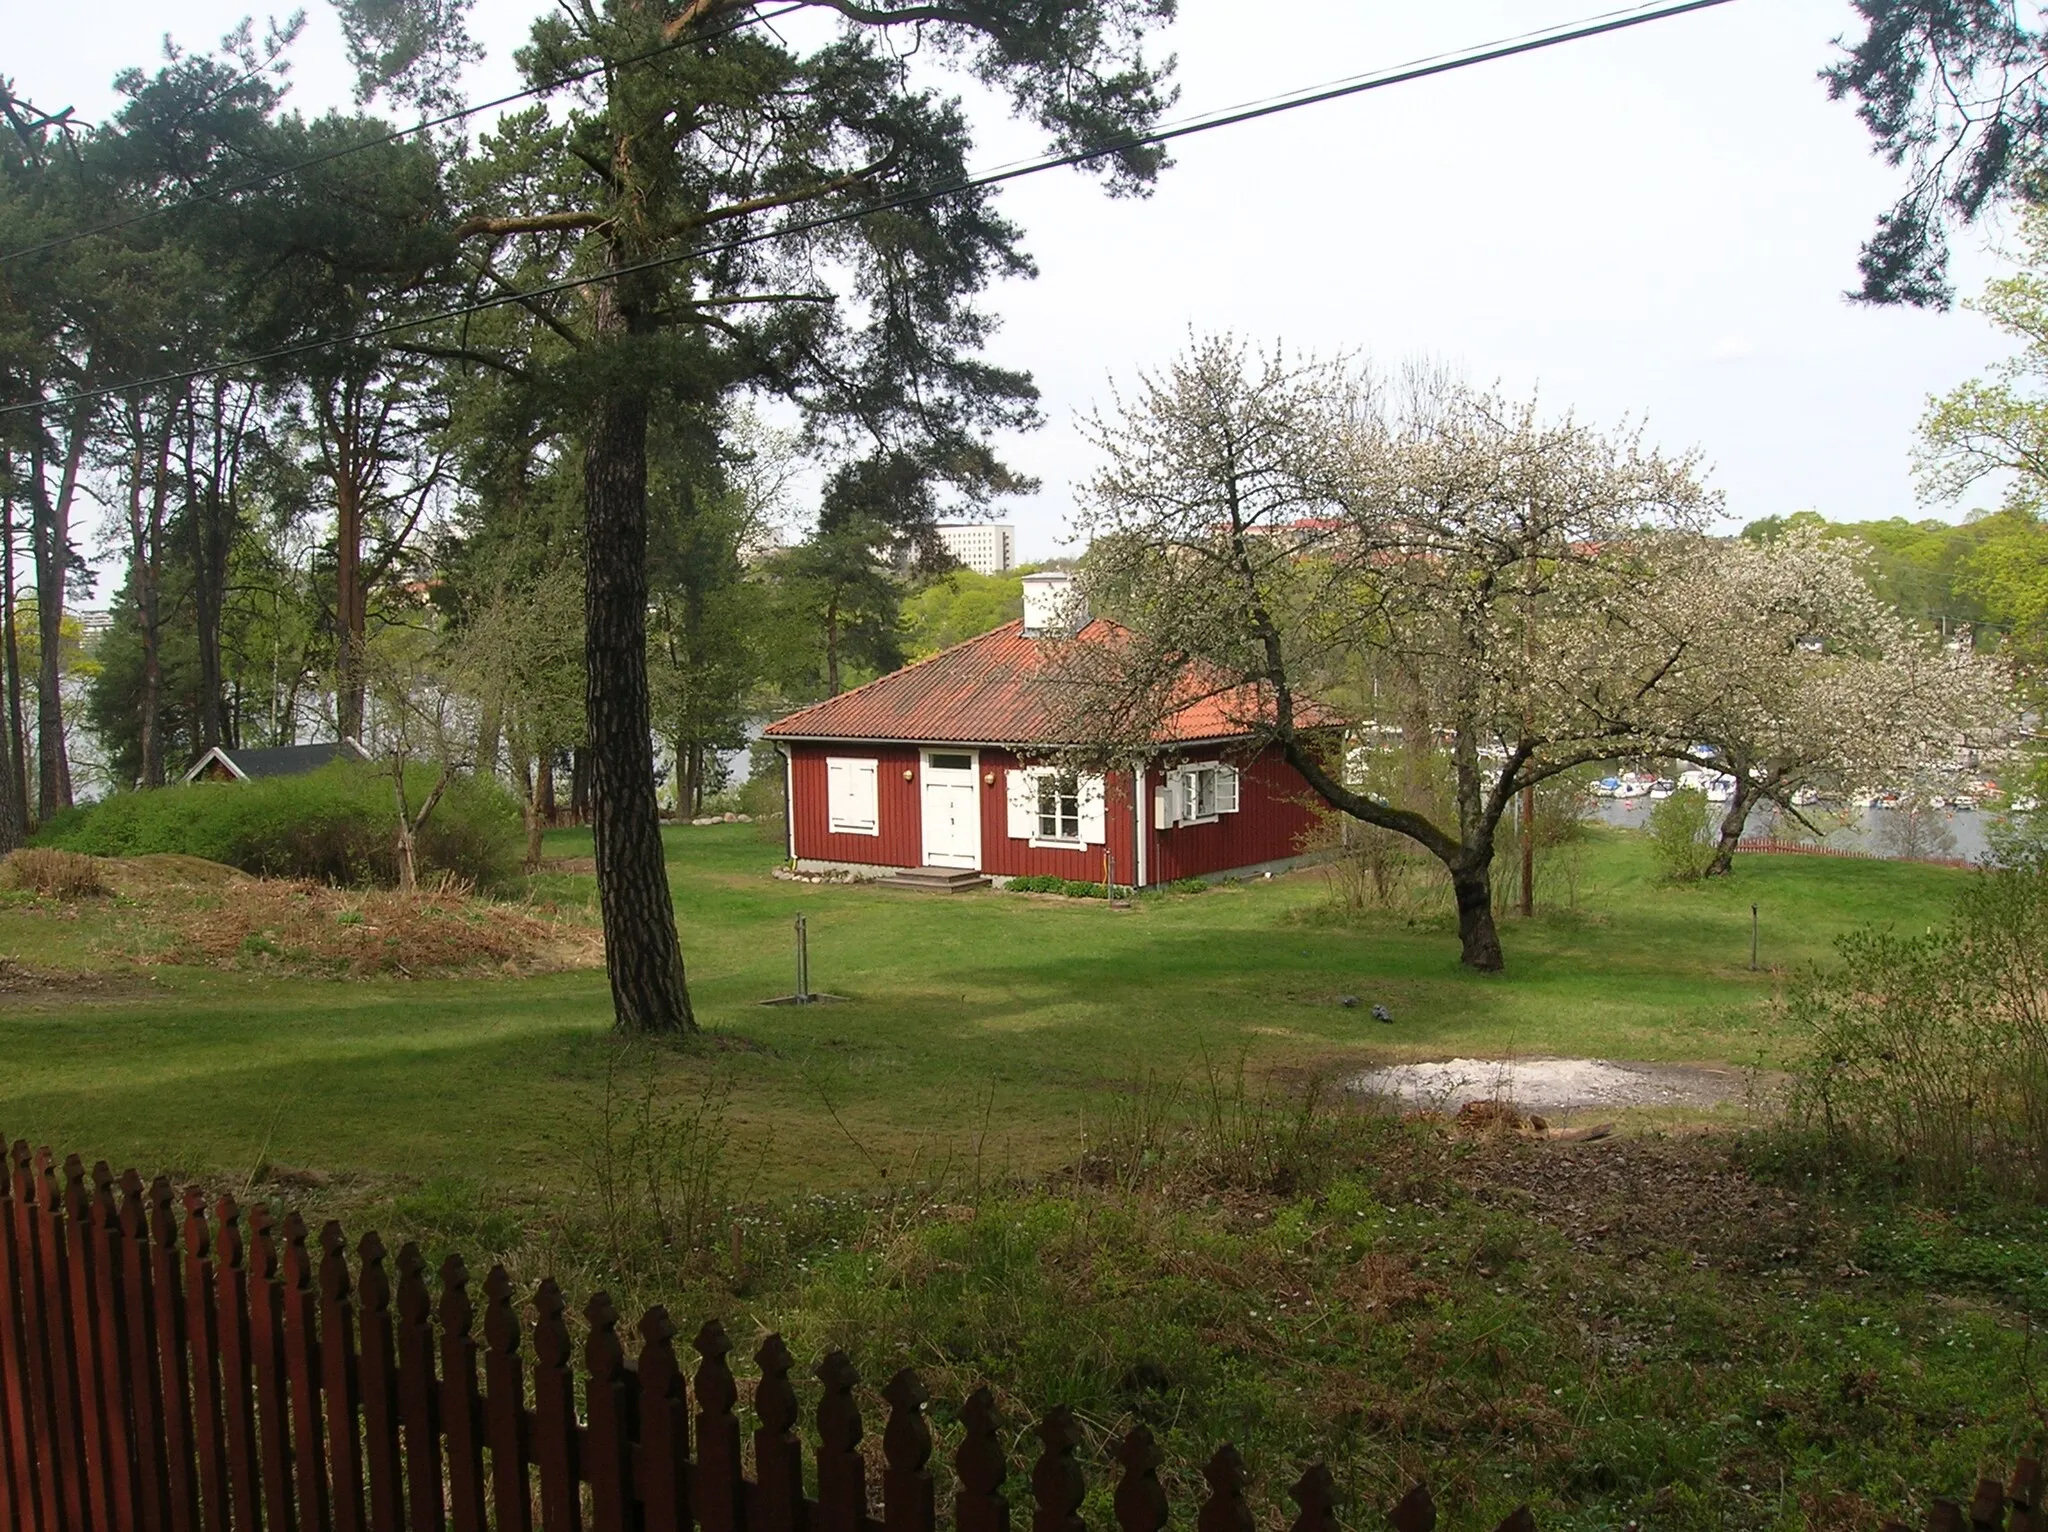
(284, 760)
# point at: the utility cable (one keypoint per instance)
(1229, 117)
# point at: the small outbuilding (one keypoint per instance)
(950, 765)
(221, 764)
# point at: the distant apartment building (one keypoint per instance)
(984, 547)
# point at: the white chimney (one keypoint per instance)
(1053, 606)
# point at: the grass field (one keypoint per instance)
(976, 1163)
(987, 1025)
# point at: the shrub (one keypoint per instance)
(1681, 836)
(1930, 1052)
(53, 874)
(337, 825)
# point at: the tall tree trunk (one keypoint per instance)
(490, 727)
(145, 578)
(51, 540)
(1472, 885)
(13, 779)
(642, 953)
(579, 785)
(544, 785)
(349, 607)
(1732, 824)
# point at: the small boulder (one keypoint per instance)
(1349, 1002)
(1381, 1013)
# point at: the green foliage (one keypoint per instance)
(1073, 888)
(958, 606)
(1681, 836)
(336, 825)
(1929, 1055)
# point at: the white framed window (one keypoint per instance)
(852, 796)
(1198, 794)
(1060, 809)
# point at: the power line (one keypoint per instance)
(1229, 117)
(397, 134)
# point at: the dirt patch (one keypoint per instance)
(1646, 1198)
(306, 927)
(1554, 1085)
(19, 979)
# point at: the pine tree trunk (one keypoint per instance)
(349, 607)
(1732, 825)
(1477, 934)
(13, 781)
(51, 540)
(579, 785)
(642, 953)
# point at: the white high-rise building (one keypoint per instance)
(984, 547)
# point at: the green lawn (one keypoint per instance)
(998, 1021)
(1681, 1332)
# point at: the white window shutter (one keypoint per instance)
(1094, 825)
(1022, 790)
(1226, 789)
(1186, 792)
(852, 797)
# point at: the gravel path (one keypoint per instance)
(1553, 1085)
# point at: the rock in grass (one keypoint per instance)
(1381, 1013)
(1349, 1002)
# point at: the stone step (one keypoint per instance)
(934, 880)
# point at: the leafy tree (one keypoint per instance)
(695, 182)
(1271, 530)
(957, 606)
(1797, 676)
(1953, 90)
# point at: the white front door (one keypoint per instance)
(952, 809)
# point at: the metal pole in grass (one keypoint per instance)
(1752, 938)
(803, 962)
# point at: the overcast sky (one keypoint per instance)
(1657, 224)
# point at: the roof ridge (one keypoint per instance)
(902, 670)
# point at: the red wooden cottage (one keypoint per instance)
(945, 765)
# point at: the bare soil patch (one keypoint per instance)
(1555, 1085)
(1647, 1198)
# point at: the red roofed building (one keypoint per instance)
(946, 765)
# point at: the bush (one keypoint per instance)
(337, 825)
(1681, 836)
(1930, 1053)
(53, 874)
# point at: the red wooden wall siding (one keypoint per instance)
(1271, 822)
(901, 842)
(1273, 817)
(1019, 858)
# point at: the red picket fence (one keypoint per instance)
(163, 1371)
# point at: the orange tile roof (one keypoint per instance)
(986, 692)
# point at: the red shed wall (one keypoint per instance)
(1272, 818)
(1020, 859)
(901, 843)
(1268, 826)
